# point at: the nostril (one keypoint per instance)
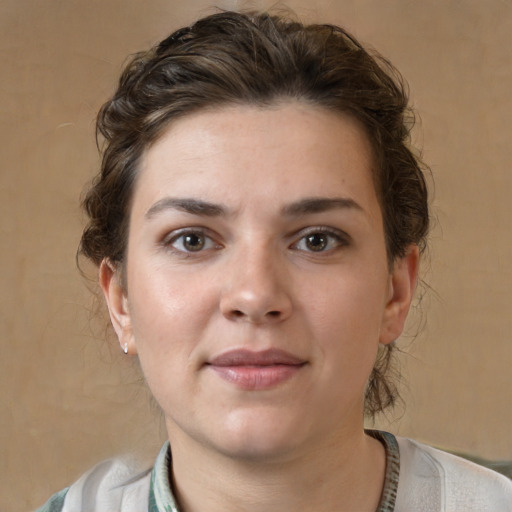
(237, 313)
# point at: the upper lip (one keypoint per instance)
(244, 357)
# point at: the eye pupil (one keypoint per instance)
(316, 241)
(193, 242)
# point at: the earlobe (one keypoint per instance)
(403, 280)
(117, 304)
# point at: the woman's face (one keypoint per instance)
(257, 286)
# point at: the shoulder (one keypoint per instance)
(433, 480)
(116, 484)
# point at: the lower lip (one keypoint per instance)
(257, 377)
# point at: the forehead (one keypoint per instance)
(287, 151)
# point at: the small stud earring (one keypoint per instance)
(125, 348)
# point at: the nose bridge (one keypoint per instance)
(256, 287)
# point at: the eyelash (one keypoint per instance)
(207, 241)
(333, 239)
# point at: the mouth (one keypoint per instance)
(250, 370)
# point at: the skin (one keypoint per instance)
(262, 267)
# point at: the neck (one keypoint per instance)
(341, 474)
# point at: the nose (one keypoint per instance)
(256, 289)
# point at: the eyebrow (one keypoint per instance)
(319, 205)
(204, 208)
(192, 206)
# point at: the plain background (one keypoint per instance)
(69, 398)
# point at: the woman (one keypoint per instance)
(257, 224)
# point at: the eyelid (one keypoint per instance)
(171, 237)
(343, 239)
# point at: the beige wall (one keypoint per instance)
(67, 400)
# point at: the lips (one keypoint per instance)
(250, 370)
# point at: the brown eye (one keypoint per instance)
(193, 242)
(321, 240)
(316, 242)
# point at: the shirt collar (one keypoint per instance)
(161, 497)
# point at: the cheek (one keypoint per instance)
(168, 313)
(345, 316)
(168, 319)
(347, 304)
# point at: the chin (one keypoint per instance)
(259, 436)
(257, 449)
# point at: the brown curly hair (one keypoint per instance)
(259, 59)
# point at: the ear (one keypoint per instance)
(402, 284)
(117, 302)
